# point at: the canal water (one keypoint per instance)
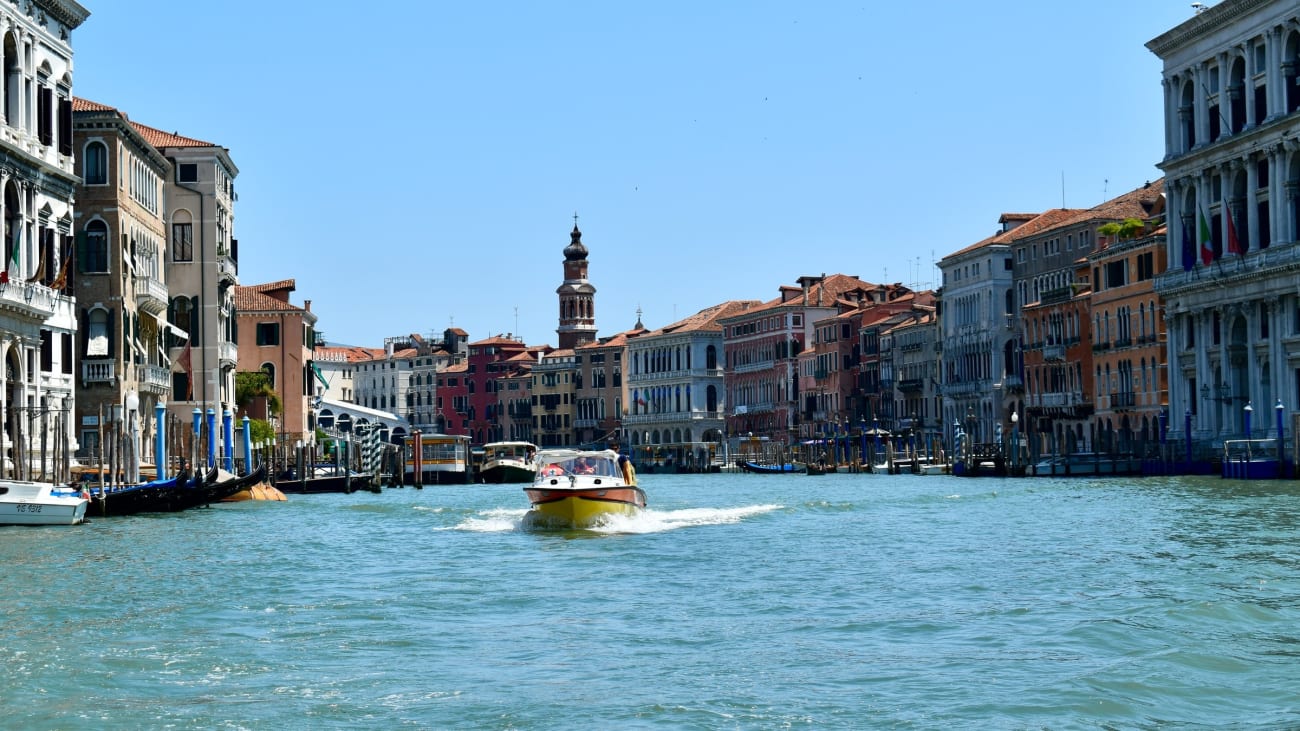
(736, 602)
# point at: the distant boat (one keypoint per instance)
(788, 468)
(41, 503)
(443, 459)
(507, 462)
(579, 488)
(1087, 464)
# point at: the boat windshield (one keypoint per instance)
(582, 464)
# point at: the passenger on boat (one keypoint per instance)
(582, 467)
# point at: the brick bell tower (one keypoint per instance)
(577, 295)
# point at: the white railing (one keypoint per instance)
(100, 370)
(150, 294)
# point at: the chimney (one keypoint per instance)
(306, 305)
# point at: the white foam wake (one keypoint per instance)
(499, 520)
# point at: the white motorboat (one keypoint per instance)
(41, 503)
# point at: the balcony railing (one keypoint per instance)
(31, 299)
(228, 353)
(909, 385)
(154, 379)
(1054, 352)
(150, 294)
(98, 370)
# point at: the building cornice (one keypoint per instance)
(1221, 16)
(67, 12)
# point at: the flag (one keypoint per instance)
(1189, 252)
(11, 273)
(40, 270)
(61, 280)
(186, 361)
(1206, 238)
(319, 376)
(1234, 244)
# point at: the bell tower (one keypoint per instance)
(577, 295)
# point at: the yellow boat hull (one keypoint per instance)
(584, 508)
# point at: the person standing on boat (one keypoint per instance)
(625, 467)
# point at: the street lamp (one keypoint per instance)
(1248, 411)
(1015, 438)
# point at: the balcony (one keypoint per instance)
(1054, 353)
(228, 353)
(32, 300)
(150, 295)
(98, 370)
(1122, 400)
(227, 268)
(754, 367)
(154, 379)
(911, 385)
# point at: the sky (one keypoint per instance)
(419, 167)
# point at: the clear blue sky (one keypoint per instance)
(417, 163)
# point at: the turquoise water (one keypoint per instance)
(736, 602)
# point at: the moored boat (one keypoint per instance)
(41, 503)
(576, 488)
(787, 468)
(156, 496)
(507, 462)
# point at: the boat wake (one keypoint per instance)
(500, 520)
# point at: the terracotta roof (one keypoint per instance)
(497, 340)
(457, 331)
(457, 368)
(707, 318)
(828, 291)
(559, 353)
(160, 139)
(250, 299)
(288, 284)
(86, 105)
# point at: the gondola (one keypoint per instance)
(771, 469)
(157, 496)
(214, 491)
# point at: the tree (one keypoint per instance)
(253, 385)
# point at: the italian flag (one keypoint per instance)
(12, 272)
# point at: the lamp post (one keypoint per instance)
(1015, 439)
(1248, 410)
(1281, 443)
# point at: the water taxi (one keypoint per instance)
(41, 503)
(508, 462)
(576, 488)
(437, 459)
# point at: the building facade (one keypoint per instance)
(202, 270)
(676, 386)
(278, 338)
(37, 190)
(1232, 172)
(121, 283)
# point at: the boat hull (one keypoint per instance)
(501, 474)
(33, 503)
(584, 507)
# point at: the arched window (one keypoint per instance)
(96, 165)
(182, 236)
(95, 257)
(269, 370)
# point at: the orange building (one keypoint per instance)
(277, 337)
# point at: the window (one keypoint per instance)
(95, 257)
(96, 165)
(183, 241)
(187, 172)
(268, 333)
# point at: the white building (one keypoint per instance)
(1232, 171)
(37, 181)
(677, 387)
